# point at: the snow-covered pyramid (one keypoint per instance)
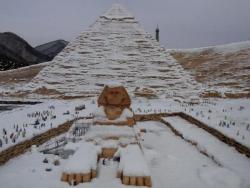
(114, 48)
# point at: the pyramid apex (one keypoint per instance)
(117, 11)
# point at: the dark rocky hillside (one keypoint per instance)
(15, 52)
(51, 49)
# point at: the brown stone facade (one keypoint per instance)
(129, 122)
(135, 180)
(75, 179)
(108, 153)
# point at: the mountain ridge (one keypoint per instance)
(15, 52)
(52, 48)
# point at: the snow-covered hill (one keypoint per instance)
(223, 69)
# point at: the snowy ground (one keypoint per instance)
(19, 123)
(176, 163)
(229, 158)
(171, 160)
(172, 163)
(228, 116)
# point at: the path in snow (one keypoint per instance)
(227, 156)
(176, 163)
(106, 176)
(108, 171)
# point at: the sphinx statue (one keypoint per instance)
(114, 107)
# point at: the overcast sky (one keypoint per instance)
(183, 23)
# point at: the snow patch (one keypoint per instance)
(84, 159)
(132, 161)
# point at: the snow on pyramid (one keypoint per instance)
(114, 48)
(117, 12)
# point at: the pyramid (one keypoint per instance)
(115, 48)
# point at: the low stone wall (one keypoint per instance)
(152, 117)
(75, 179)
(129, 122)
(108, 153)
(135, 180)
(22, 147)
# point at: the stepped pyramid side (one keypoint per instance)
(114, 48)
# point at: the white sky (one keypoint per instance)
(183, 23)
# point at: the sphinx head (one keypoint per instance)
(114, 96)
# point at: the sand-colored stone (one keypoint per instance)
(139, 181)
(78, 178)
(21, 75)
(113, 112)
(135, 180)
(114, 96)
(147, 181)
(86, 177)
(119, 174)
(132, 180)
(45, 91)
(108, 152)
(114, 100)
(112, 138)
(71, 178)
(145, 92)
(125, 180)
(75, 179)
(130, 122)
(93, 173)
(64, 177)
(218, 70)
